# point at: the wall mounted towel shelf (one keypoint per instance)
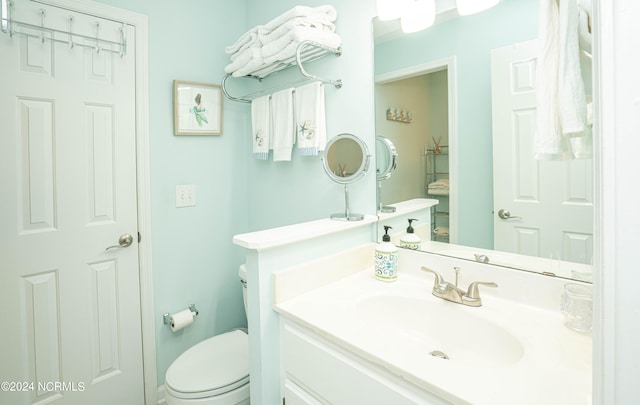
(307, 51)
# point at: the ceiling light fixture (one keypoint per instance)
(418, 15)
(389, 9)
(466, 7)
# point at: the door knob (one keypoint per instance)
(125, 241)
(505, 214)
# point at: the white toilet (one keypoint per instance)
(214, 371)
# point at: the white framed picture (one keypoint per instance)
(197, 108)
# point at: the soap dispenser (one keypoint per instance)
(410, 240)
(386, 258)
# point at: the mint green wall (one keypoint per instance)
(470, 39)
(194, 260)
(290, 192)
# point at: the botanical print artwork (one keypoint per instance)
(199, 111)
(197, 108)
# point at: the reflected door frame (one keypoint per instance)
(448, 64)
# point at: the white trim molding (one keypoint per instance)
(616, 108)
(448, 64)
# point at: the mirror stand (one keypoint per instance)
(346, 160)
(387, 208)
(347, 215)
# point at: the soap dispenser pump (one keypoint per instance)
(386, 258)
(410, 240)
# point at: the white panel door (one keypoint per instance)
(550, 202)
(70, 308)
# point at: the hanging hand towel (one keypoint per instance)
(547, 141)
(283, 125)
(310, 119)
(571, 94)
(261, 127)
(560, 94)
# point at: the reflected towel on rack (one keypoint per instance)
(283, 126)
(261, 127)
(310, 119)
(438, 187)
(441, 231)
(285, 46)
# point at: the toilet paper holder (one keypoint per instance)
(166, 318)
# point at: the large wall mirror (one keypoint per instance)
(460, 81)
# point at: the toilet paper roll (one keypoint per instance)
(181, 319)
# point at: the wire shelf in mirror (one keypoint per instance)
(307, 51)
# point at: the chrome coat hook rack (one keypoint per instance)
(10, 26)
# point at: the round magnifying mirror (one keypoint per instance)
(386, 162)
(386, 158)
(345, 160)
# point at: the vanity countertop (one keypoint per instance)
(534, 359)
(281, 236)
(408, 207)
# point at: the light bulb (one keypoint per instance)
(466, 7)
(418, 15)
(390, 9)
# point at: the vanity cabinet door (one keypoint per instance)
(329, 374)
(295, 395)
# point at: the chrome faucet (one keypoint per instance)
(451, 292)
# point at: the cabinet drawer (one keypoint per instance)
(337, 377)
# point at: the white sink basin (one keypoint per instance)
(508, 351)
(435, 327)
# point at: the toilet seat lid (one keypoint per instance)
(211, 365)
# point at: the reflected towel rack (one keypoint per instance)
(307, 51)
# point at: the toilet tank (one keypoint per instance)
(242, 273)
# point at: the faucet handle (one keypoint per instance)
(438, 278)
(472, 290)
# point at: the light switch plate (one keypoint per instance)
(185, 195)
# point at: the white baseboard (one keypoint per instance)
(161, 396)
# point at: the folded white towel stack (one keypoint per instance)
(439, 187)
(310, 119)
(260, 47)
(261, 127)
(441, 231)
(283, 126)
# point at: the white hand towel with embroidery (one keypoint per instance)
(283, 126)
(310, 119)
(261, 127)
